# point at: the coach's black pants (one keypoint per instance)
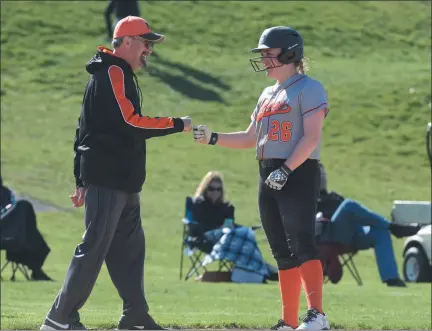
(113, 234)
(288, 215)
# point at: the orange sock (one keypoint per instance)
(312, 279)
(290, 288)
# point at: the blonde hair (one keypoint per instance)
(302, 66)
(205, 182)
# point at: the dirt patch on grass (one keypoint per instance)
(40, 205)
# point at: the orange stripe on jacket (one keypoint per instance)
(116, 76)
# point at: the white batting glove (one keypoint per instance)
(201, 134)
(278, 178)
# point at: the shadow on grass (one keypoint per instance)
(162, 69)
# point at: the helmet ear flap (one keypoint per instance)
(286, 56)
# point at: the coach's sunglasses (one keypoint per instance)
(147, 43)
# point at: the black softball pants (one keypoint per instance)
(288, 215)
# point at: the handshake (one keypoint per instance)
(202, 133)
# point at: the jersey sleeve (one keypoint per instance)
(313, 99)
(255, 113)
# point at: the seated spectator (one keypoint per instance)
(20, 237)
(215, 232)
(211, 210)
(350, 223)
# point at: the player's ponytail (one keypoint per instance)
(302, 66)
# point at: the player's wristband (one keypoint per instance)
(213, 138)
(287, 171)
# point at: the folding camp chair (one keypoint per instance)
(196, 248)
(15, 267)
(196, 255)
(345, 255)
(9, 241)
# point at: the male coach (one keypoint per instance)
(109, 167)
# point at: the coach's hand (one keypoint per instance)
(187, 121)
(278, 178)
(78, 197)
(201, 134)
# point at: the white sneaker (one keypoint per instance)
(50, 324)
(314, 320)
(281, 326)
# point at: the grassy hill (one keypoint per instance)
(372, 57)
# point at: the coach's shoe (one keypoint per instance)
(281, 326)
(314, 320)
(50, 324)
(147, 323)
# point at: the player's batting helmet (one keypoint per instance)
(287, 39)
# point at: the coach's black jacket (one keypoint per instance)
(110, 140)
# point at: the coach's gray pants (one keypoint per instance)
(113, 234)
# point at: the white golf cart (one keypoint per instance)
(417, 266)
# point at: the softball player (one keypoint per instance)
(286, 131)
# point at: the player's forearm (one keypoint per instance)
(236, 140)
(304, 149)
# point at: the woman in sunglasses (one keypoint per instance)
(210, 208)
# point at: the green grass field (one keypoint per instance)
(372, 57)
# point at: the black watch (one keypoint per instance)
(213, 138)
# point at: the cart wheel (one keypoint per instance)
(416, 268)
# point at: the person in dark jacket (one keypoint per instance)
(20, 237)
(211, 209)
(352, 224)
(109, 168)
(121, 9)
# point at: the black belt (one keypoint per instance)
(269, 163)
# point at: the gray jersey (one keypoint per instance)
(279, 114)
